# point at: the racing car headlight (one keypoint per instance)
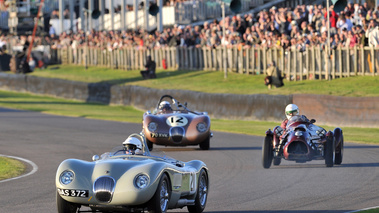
(141, 181)
(201, 127)
(152, 126)
(66, 177)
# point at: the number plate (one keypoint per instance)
(73, 192)
(159, 135)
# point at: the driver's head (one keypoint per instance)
(132, 145)
(291, 110)
(165, 107)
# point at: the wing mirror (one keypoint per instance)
(312, 121)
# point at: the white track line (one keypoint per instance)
(375, 207)
(35, 168)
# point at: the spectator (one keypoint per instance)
(149, 71)
(54, 14)
(373, 34)
(333, 17)
(273, 76)
(52, 31)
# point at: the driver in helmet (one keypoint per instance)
(165, 107)
(132, 146)
(290, 111)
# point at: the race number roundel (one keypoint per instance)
(176, 121)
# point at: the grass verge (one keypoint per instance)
(214, 82)
(10, 168)
(57, 106)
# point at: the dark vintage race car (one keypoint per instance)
(119, 181)
(303, 141)
(173, 124)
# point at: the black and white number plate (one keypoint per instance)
(159, 135)
(73, 192)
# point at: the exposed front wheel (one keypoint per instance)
(267, 152)
(159, 202)
(201, 195)
(205, 144)
(149, 145)
(277, 161)
(329, 152)
(65, 206)
(339, 151)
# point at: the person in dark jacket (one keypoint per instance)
(149, 71)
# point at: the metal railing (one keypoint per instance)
(295, 65)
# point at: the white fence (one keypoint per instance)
(295, 65)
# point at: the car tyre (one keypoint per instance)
(277, 161)
(339, 152)
(201, 195)
(205, 144)
(267, 152)
(329, 152)
(160, 200)
(149, 145)
(65, 206)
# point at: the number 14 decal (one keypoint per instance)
(177, 121)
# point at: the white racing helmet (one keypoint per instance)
(165, 106)
(291, 110)
(133, 145)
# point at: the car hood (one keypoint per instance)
(114, 167)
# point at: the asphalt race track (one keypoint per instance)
(238, 183)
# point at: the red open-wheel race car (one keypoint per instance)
(302, 141)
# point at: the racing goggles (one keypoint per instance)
(292, 112)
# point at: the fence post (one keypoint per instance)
(264, 60)
(247, 60)
(259, 62)
(282, 61)
(289, 64)
(253, 53)
(373, 62)
(307, 67)
(295, 63)
(301, 65)
(320, 67)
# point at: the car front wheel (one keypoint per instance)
(202, 194)
(205, 144)
(159, 202)
(329, 152)
(339, 150)
(267, 152)
(149, 145)
(65, 206)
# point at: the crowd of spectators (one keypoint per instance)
(295, 28)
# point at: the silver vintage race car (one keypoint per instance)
(130, 179)
(173, 124)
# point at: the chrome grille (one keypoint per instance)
(104, 188)
(177, 134)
